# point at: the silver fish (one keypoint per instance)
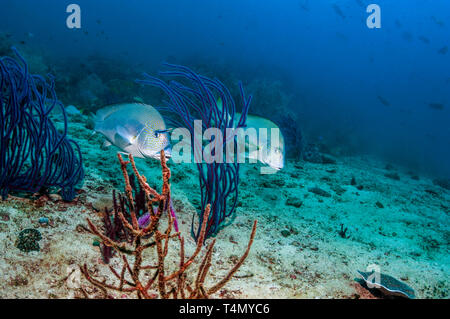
(264, 152)
(137, 129)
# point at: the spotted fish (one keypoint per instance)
(136, 129)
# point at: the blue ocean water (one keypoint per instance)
(337, 69)
(365, 114)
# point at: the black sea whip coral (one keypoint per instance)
(33, 153)
(195, 98)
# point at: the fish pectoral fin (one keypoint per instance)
(253, 155)
(120, 130)
(121, 141)
(106, 144)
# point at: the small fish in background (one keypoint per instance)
(398, 24)
(443, 50)
(99, 21)
(436, 106)
(407, 36)
(101, 34)
(304, 5)
(424, 39)
(338, 11)
(136, 129)
(383, 101)
(437, 21)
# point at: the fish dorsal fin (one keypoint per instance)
(103, 113)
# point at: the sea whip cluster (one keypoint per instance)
(194, 97)
(33, 153)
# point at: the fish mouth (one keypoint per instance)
(168, 151)
(276, 167)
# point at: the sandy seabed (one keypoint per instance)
(400, 224)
